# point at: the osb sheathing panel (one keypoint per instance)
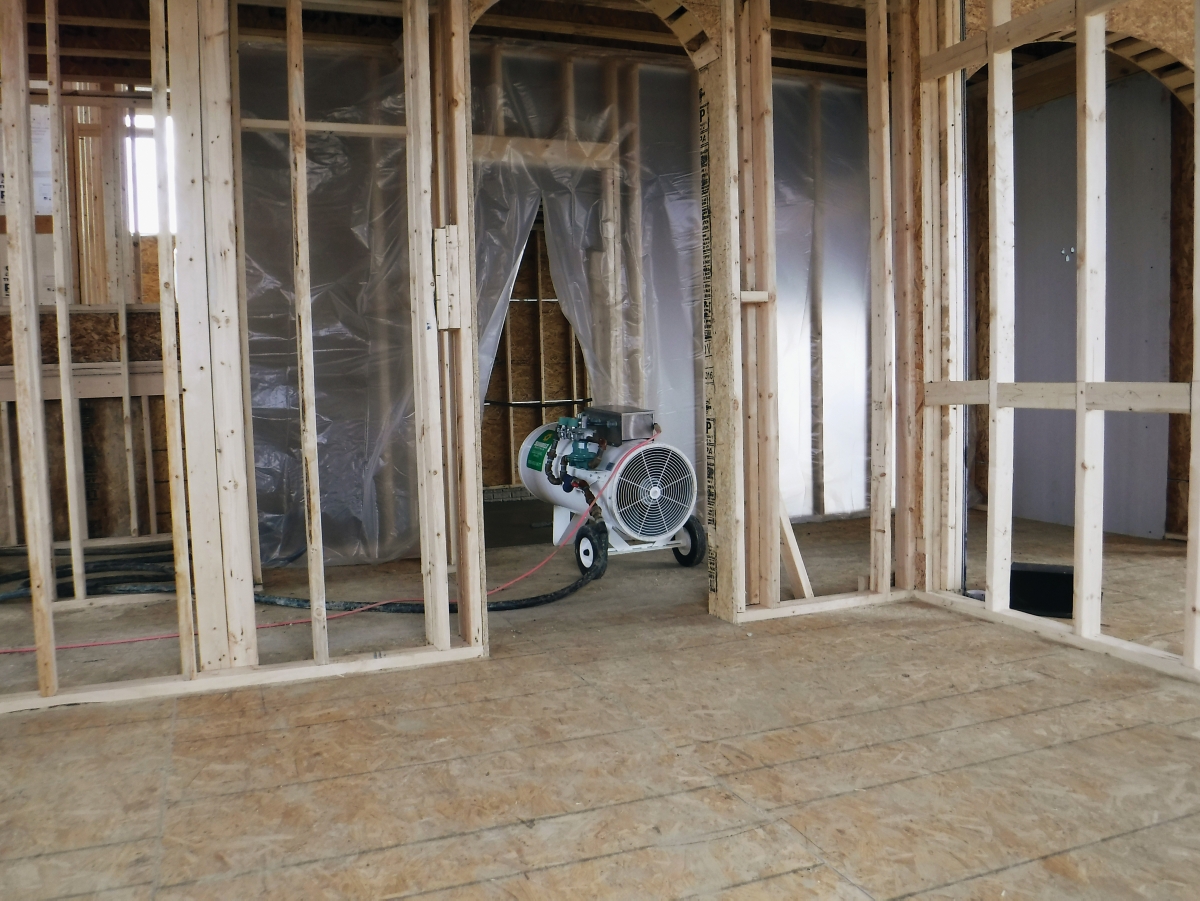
(145, 336)
(149, 253)
(94, 338)
(1167, 24)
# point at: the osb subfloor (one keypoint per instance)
(624, 744)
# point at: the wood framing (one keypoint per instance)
(724, 438)
(1091, 265)
(909, 563)
(455, 176)
(1002, 293)
(757, 244)
(302, 288)
(27, 351)
(173, 411)
(1090, 395)
(1191, 597)
(883, 311)
(64, 293)
(760, 369)
(427, 400)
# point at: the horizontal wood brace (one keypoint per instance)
(345, 129)
(755, 297)
(494, 148)
(1046, 21)
(392, 8)
(797, 54)
(239, 677)
(92, 22)
(1154, 658)
(92, 380)
(1134, 397)
(827, 604)
(822, 29)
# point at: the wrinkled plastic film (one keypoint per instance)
(617, 183)
(822, 230)
(361, 335)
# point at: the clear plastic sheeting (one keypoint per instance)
(361, 335)
(605, 145)
(822, 232)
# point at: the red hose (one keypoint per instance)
(300, 622)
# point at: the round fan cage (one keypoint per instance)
(655, 492)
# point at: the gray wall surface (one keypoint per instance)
(1137, 321)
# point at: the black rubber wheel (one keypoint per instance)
(591, 549)
(695, 542)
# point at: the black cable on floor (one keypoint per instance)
(149, 575)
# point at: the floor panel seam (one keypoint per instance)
(404, 766)
(480, 831)
(1071, 850)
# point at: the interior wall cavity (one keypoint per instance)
(361, 325)
(822, 234)
(1138, 307)
(614, 168)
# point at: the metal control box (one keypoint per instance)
(616, 424)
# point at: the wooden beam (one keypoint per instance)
(762, 111)
(172, 411)
(748, 199)
(793, 561)
(456, 173)
(93, 53)
(828, 604)
(1036, 25)
(931, 243)
(391, 8)
(578, 29)
(1191, 607)
(92, 21)
(822, 29)
(243, 297)
(90, 380)
(883, 297)
(954, 266)
(6, 474)
(1132, 397)
(220, 213)
(345, 129)
(1061, 633)
(195, 344)
(760, 366)
(548, 151)
(27, 351)
(64, 293)
(800, 55)
(906, 209)
(120, 282)
(426, 398)
(1002, 294)
(1091, 262)
(276, 674)
(302, 286)
(964, 54)
(722, 326)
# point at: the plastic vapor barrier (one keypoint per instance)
(822, 233)
(605, 145)
(358, 230)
